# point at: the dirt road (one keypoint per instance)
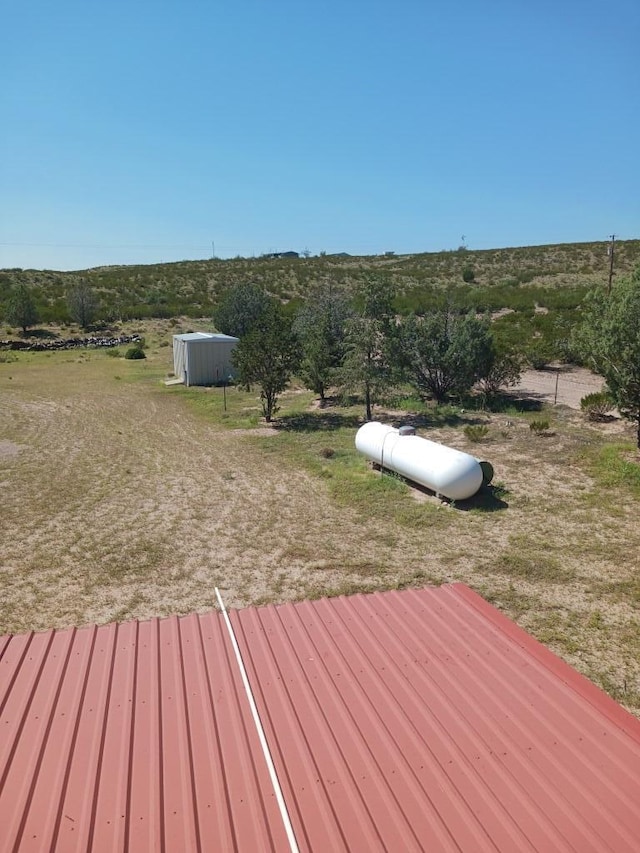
(564, 384)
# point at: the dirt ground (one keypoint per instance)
(121, 501)
(118, 501)
(563, 384)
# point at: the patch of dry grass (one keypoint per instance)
(125, 499)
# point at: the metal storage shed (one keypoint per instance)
(203, 358)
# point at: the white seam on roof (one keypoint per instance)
(286, 820)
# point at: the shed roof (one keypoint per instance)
(412, 720)
(205, 336)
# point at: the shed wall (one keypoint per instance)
(203, 361)
(179, 356)
(209, 361)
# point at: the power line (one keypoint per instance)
(109, 246)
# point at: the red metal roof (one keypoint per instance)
(411, 720)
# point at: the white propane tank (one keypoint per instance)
(446, 471)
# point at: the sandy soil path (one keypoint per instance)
(564, 384)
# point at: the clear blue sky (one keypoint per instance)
(141, 131)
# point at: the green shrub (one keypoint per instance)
(135, 353)
(539, 354)
(468, 274)
(476, 432)
(597, 406)
(539, 427)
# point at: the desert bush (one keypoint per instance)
(539, 354)
(327, 452)
(240, 309)
(539, 427)
(502, 371)
(476, 432)
(55, 312)
(596, 406)
(135, 352)
(468, 274)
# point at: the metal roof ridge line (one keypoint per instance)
(286, 820)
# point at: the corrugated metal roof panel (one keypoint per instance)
(397, 721)
(205, 336)
(194, 336)
(425, 720)
(132, 736)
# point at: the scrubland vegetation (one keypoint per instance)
(542, 285)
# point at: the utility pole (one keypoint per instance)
(213, 250)
(610, 253)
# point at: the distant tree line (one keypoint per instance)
(82, 303)
(367, 341)
(361, 345)
(543, 286)
(534, 293)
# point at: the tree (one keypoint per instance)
(608, 341)
(367, 365)
(21, 309)
(82, 303)
(444, 354)
(267, 355)
(239, 309)
(320, 326)
(503, 370)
